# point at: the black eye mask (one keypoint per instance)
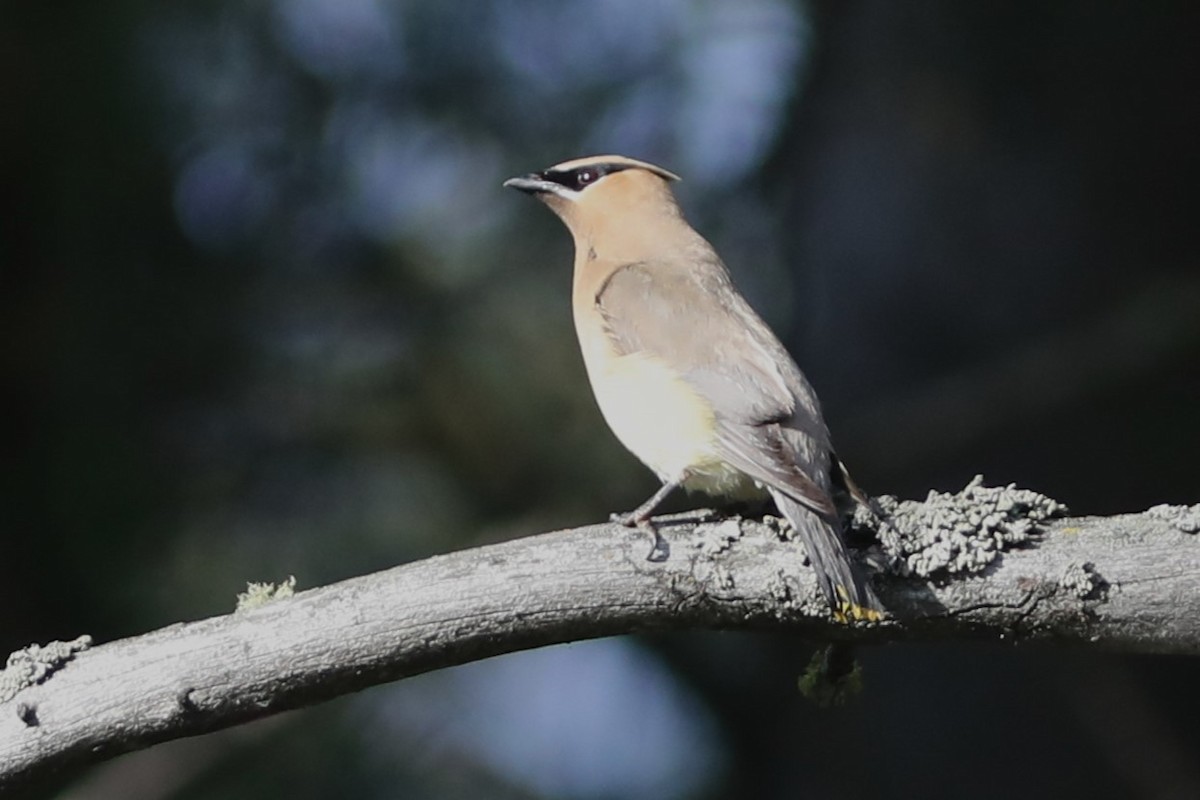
(580, 178)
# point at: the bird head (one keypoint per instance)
(587, 191)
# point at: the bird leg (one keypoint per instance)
(640, 518)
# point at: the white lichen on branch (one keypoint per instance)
(716, 538)
(259, 594)
(33, 664)
(1083, 581)
(963, 532)
(1185, 518)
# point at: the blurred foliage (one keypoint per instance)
(269, 312)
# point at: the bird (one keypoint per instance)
(687, 375)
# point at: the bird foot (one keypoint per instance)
(659, 549)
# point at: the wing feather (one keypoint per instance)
(768, 421)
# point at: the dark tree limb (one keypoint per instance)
(1128, 583)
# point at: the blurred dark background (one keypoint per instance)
(267, 311)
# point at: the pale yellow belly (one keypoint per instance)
(664, 422)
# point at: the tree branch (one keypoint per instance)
(1128, 583)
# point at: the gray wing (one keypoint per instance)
(768, 421)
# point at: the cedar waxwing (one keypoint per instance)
(687, 375)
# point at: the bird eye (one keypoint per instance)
(585, 176)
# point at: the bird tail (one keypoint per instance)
(848, 593)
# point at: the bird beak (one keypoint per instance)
(531, 184)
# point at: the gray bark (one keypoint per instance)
(1129, 583)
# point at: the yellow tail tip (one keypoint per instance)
(847, 611)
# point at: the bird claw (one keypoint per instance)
(659, 549)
